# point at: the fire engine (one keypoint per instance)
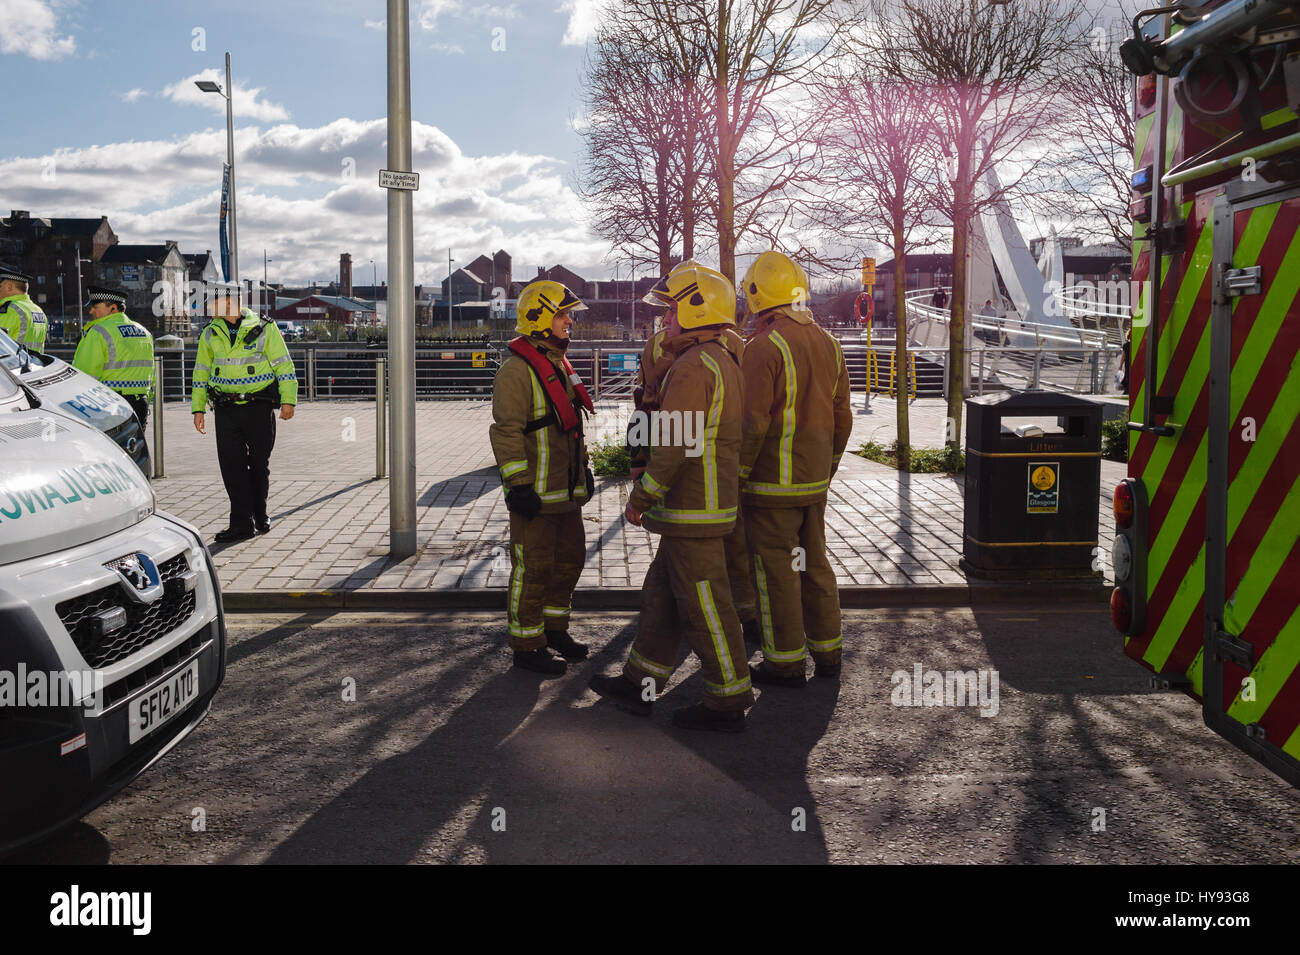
(1206, 559)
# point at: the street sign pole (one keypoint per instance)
(401, 285)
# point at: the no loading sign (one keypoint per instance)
(1044, 487)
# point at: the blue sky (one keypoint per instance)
(102, 117)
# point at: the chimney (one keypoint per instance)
(345, 274)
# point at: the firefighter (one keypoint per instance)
(797, 424)
(243, 367)
(116, 350)
(538, 402)
(654, 363)
(688, 495)
(19, 315)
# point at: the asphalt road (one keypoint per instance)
(449, 755)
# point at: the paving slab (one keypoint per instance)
(891, 537)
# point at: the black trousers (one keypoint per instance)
(245, 438)
(140, 405)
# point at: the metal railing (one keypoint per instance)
(1093, 324)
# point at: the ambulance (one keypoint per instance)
(64, 390)
(1207, 550)
(112, 636)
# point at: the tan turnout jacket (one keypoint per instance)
(797, 412)
(548, 459)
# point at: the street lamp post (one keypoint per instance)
(208, 86)
(450, 296)
(265, 285)
(401, 294)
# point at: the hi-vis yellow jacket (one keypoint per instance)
(689, 488)
(547, 457)
(797, 412)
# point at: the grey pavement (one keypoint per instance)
(329, 544)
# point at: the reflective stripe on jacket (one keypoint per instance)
(554, 463)
(689, 487)
(24, 321)
(251, 359)
(119, 352)
(797, 412)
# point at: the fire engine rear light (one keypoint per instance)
(1139, 210)
(1141, 180)
(1122, 505)
(1146, 91)
(1121, 609)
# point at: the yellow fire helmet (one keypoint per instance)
(658, 295)
(703, 296)
(539, 303)
(775, 279)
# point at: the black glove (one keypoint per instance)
(591, 484)
(523, 500)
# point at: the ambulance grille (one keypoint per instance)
(145, 623)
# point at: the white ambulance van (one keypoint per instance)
(112, 635)
(76, 395)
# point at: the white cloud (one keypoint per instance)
(130, 96)
(376, 24)
(447, 48)
(584, 17)
(308, 193)
(431, 11)
(30, 27)
(246, 101)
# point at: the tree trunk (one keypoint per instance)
(900, 342)
(726, 151)
(957, 303)
(663, 228)
(689, 178)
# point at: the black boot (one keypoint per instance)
(697, 716)
(540, 661)
(233, 534)
(565, 645)
(263, 525)
(829, 671)
(761, 674)
(625, 694)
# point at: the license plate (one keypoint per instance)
(153, 708)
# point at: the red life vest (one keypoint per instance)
(561, 405)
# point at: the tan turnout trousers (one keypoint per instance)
(686, 594)
(798, 610)
(546, 557)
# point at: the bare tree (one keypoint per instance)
(993, 74)
(878, 144)
(755, 53)
(646, 137)
(1092, 175)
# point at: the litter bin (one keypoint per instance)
(1033, 484)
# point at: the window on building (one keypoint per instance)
(40, 280)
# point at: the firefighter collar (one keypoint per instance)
(768, 318)
(679, 344)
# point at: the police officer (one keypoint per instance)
(243, 367)
(797, 424)
(689, 497)
(19, 315)
(654, 364)
(538, 402)
(116, 350)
